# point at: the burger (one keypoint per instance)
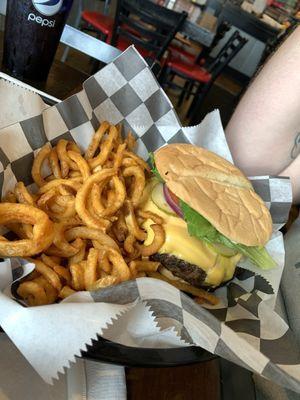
(212, 216)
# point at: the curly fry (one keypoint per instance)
(81, 200)
(75, 174)
(33, 293)
(119, 227)
(74, 183)
(77, 276)
(128, 162)
(143, 266)
(141, 275)
(63, 274)
(64, 167)
(47, 273)
(90, 272)
(120, 268)
(150, 215)
(49, 261)
(44, 198)
(84, 232)
(102, 283)
(133, 226)
(63, 208)
(54, 208)
(78, 257)
(138, 160)
(10, 197)
(37, 165)
(119, 198)
(54, 164)
(130, 141)
(66, 291)
(119, 156)
(43, 230)
(65, 200)
(18, 229)
(74, 147)
(50, 291)
(138, 185)
(105, 150)
(129, 244)
(93, 146)
(82, 165)
(24, 197)
(158, 241)
(22, 194)
(203, 294)
(94, 200)
(50, 178)
(53, 251)
(65, 191)
(104, 265)
(61, 243)
(61, 149)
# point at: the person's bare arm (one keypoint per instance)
(264, 131)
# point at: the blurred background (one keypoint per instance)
(196, 76)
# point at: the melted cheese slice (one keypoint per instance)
(180, 244)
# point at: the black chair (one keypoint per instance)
(200, 78)
(235, 43)
(147, 25)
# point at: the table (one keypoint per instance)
(202, 32)
(247, 22)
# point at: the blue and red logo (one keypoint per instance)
(47, 7)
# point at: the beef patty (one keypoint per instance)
(190, 273)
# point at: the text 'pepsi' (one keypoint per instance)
(32, 32)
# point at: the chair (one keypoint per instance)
(199, 58)
(235, 43)
(78, 18)
(141, 22)
(202, 76)
(147, 25)
(101, 23)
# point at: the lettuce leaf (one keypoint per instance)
(202, 229)
(153, 167)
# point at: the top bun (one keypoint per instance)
(217, 190)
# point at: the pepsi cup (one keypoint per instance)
(32, 32)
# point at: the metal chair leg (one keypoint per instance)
(195, 101)
(171, 76)
(106, 7)
(79, 9)
(190, 89)
(193, 112)
(65, 54)
(183, 93)
(164, 76)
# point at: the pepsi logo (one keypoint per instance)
(47, 7)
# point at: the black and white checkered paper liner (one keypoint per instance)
(243, 328)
